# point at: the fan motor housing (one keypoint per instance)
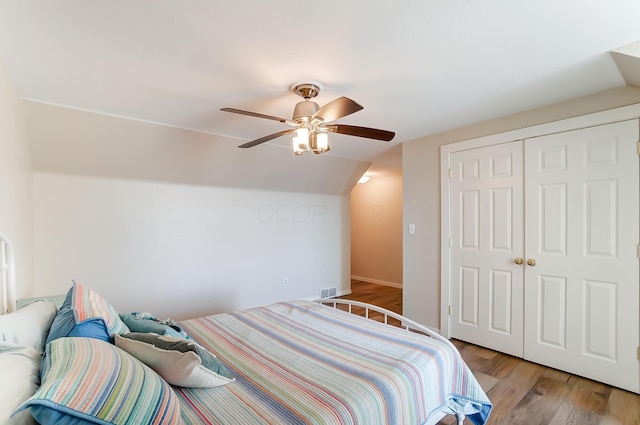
(304, 110)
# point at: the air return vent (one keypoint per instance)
(328, 293)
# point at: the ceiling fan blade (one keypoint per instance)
(336, 109)
(254, 114)
(370, 133)
(266, 138)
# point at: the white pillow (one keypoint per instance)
(19, 380)
(183, 369)
(28, 326)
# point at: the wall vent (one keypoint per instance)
(328, 293)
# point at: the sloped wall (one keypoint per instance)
(71, 141)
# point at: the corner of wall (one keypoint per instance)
(16, 221)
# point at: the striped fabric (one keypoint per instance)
(304, 363)
(88, 304)
(95, 381)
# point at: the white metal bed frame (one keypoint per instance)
(7, 276)
(405, 323)
(8, 294)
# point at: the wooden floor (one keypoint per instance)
(523, 392)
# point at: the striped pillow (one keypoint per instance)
(85, 313)
(88, 304)
(87, 380)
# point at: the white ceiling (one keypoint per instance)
(417, 66)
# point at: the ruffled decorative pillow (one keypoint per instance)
(146, 323)
(180, 362)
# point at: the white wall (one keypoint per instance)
(421, 193)
(15, 182)
(183, 251)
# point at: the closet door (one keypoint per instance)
(486, 237)
(582, 234)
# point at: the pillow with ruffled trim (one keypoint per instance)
(180, 362)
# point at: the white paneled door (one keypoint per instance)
(543, 257)
(582, 298)
(486, 235)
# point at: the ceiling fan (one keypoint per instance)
(312, 123)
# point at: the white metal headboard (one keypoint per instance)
(7, 276)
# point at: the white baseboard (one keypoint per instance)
(377, 281)
(343, 293)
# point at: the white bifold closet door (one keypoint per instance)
(582, 298)
(567, 205)
(487, 233)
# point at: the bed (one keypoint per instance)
(294, 362)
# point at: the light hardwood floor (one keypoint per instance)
(523, 392)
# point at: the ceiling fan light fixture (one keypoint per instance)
(303, 134)
(318, 142)
(298, 148)
(322, 142)
(301, 141)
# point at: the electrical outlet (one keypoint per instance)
(286, 281)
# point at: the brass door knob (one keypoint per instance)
(519, 261)
(531, 262)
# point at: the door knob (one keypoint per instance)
(519, 261)
(531, 262)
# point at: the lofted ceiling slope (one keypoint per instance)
(627, 59)
(71, 141)
(418, 67)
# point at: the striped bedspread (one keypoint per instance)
(304, 363)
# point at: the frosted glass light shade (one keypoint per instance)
(322, 141)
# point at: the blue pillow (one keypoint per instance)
(149, 326)
(84, 313)
(88, 381)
